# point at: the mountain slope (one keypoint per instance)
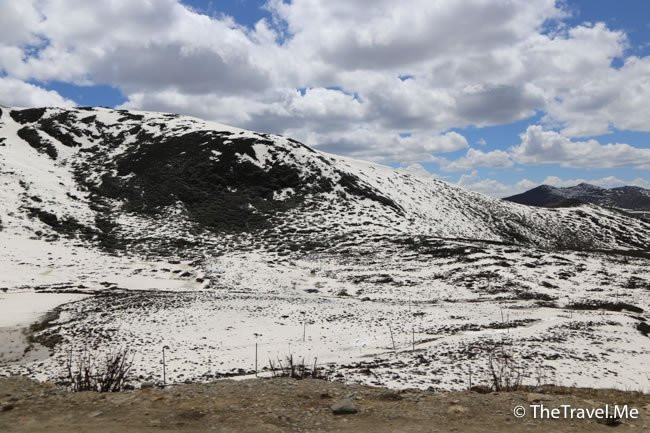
(211, 240)
(625, 197)
(156, 183)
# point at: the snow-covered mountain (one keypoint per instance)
(624, 197)
(159, 183)
(216, 242)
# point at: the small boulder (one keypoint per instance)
(456, 409)
(6, 407)
(344, 407)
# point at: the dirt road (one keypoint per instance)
(286, 405)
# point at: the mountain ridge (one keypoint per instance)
(624, 197)
(116, 177)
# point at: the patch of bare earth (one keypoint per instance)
(287, 405)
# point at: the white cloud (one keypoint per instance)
(17, 22)
(384, 34)
(499, 189)
(617, 99)
(477, 158)
(605, 182)
(493, 187)
(540, 146)
(19, 94)
(475, 62)
(416, 170)
(374, 145)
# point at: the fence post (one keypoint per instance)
(164, 365)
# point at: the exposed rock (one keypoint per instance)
(344, 407)
(456, 409)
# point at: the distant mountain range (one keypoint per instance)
(624, 197)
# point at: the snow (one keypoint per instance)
(438, 269)
(21, 309)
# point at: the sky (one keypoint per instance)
(498, 96)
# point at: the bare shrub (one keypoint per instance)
(88, 372)
(295, 370)
(505, 373)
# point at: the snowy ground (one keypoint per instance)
(358, 271)
(396, 313)
(18, 310)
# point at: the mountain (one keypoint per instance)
(624, 197)
(158, 183)
(148, 230)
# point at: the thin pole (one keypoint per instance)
(255, 359)
(391, 336)
(413, 338)
(164, 372)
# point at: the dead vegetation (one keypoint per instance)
(290, 367)
(88, 371)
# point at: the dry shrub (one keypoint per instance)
(90, 372)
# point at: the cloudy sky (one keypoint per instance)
(496, 95)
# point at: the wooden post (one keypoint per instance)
(391, 336)
(413, 339)
(256, 359)
(164, 372)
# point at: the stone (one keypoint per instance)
(6, 407)
(456, 409)
(533, 397)
(344, 407)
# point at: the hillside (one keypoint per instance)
(155, 182)
(150, 230)
(624, 197)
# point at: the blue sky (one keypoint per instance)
(493, 95)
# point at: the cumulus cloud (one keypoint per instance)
(417, 170)
(617, 99)
(475, 62)
(17, 93)
(476, 158)
(540, 146)
(492, 187)
(605, 182)
(374, 145)
(17, 22)
(381, 34)
(472, 181)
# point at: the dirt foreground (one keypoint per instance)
(287, 405)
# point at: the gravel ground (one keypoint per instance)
(286, 405)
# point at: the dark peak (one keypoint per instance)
(585, 185)
(628, 188)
